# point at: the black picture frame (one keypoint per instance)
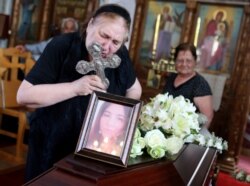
(89, 133)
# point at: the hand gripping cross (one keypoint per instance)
(98, 64)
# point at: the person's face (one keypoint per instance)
(221, 28)
(69, 27)
(166, 10)
(185, 63)
(219, 16)
(112, 121)
(109, 33)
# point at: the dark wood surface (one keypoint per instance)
(193, 166)
(196, 165)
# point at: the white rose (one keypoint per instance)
(201, 139)
(174, 144)
(137, 133)
(156, 153)
(155, 138)
(136, 150)
(189, 139)
(210, 142)
(140, 141)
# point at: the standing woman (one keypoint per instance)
(188, 83)
(61, 95)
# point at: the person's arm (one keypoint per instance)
(37, 48)
(205, 107)
(127, 72)
(43, 95)
(135, 90)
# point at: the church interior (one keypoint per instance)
(223, 60)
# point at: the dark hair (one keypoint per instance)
(114, 8)
(96, 123)
(220, 13)
(107, 10)
(185, 47)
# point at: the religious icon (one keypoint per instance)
(27, 23)
(169, 32)
(214, 41)
(162, 30)
(219, 28)
(28, 8)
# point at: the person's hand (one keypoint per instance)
(87, 84)
(21, 48)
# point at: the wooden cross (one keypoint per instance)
(98, 64)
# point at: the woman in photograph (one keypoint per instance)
(109, 129)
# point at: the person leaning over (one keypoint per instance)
(61, 95)
(68, 25)
(188, 83)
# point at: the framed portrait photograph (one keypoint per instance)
(162, 30)
(217, 31)
(108, 128)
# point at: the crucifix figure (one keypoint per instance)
(98, 64)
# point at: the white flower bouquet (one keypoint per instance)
(165, 124)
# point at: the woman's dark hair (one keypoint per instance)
(108, 9)
(96, 124)
(115, 9)
(185, 47)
